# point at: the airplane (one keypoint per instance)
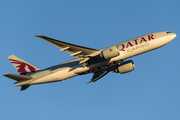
(88, 60)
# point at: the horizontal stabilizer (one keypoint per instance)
(18, 78)
(24, 87)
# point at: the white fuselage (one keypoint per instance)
(127, 49)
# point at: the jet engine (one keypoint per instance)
(125, 67)
(109, 52)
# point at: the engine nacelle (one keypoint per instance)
(125, 67)
(109, 52)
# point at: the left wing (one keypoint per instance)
(83, 53)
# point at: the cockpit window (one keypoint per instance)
(168, 32)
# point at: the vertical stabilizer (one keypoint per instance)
(22, 66)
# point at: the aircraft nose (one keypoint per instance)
(171, 36)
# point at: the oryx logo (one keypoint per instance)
(22, 67)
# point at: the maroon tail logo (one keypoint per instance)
(21, 67)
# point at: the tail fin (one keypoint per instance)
(22, 66)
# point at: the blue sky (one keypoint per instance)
(150, 92)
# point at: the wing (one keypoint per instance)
(83, 53)
(98, 75)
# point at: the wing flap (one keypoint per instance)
(63, 49)
(76, 53)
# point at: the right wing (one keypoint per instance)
(98, 75)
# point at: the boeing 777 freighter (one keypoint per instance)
(88, 60)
